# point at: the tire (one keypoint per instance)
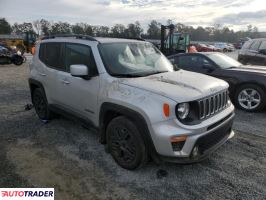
(225, 50)
(40, 104)
(17, 60)
(250, 93)
(125, 143)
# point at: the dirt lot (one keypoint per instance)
(64, 155)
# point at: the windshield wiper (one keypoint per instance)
(140, 74)
(231, 67)
(126, 75)
(154, 72)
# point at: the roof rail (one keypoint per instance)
(133, 38)
(77, 36)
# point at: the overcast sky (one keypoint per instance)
(236, 14)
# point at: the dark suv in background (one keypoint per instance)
(253, 52)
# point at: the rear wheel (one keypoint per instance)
(125, 143)
(225, 50)
(40, 104)
(17, 60)
(250, 97)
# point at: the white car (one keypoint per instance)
(225, 47)
(128, 90)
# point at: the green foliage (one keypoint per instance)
(118, 31)
(217, 32)
(154, 30)
(5, 27)
(19, 29)
(61, 28)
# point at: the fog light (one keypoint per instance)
(195, 151)
(178, 142)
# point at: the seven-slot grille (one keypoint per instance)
(213, 104)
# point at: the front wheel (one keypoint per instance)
(250, 98)
(125, 143)
(40, 104)
(17, 60)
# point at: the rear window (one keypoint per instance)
(263, 45)
(247, 44)
(255, 45)
(51, 54)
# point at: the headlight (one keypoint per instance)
(182, 110)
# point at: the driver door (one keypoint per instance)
(77, 94)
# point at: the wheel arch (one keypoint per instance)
(33, 84)
(240, 84)
(108, 111)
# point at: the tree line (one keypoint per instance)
(44, 27)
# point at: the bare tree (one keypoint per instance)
(38, 26)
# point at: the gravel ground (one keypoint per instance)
(64, 155)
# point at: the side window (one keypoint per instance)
(42, 52)
(80, 54)
(255, 45)
(51, 54)
(188, 62)
(174, 61)
(184, 61)
(203, 61)
(263, 45)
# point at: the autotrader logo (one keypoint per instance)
(26, 193)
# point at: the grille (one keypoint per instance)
(207, 141)
(213, 104)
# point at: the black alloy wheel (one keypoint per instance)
(125, 143)
(40, 104)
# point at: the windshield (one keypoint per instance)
(133, 59)
(223, 61)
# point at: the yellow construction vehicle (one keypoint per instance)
(23, 43)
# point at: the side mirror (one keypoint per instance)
(79, 71)
(262, 51)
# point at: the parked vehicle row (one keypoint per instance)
(216, 47)
(130, 92)
(247, 83)
(205, 48)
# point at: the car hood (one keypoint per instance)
(180, 86)
(251, 69)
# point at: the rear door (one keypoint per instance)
(75, 93)
(51, 57)
(252, 53)
(261, 56)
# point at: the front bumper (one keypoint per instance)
(198, 144)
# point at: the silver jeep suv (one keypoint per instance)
(128, 90)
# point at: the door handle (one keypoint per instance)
(42, 74)
(65, 82)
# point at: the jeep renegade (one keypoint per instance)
(128, 90)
